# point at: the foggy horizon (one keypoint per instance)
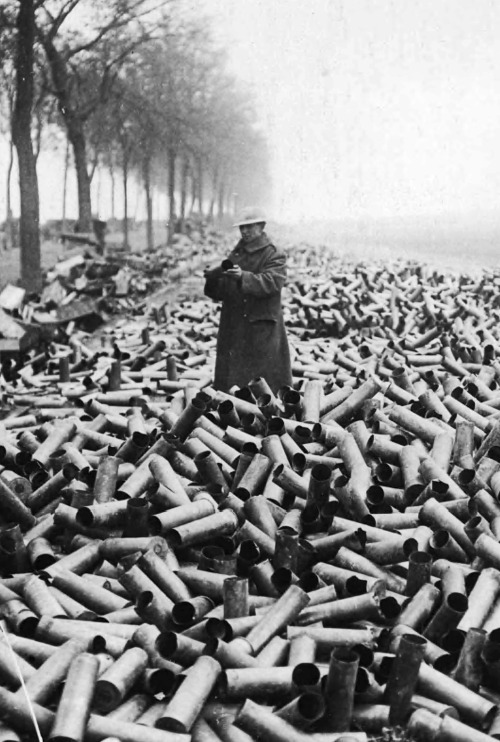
(373, 110)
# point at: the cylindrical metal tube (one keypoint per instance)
(348, 559)
(188, 612)
(447, 616)
(339, 690)
(38, 597)
(488, 549)
(403, 678)
(94, 597)
(482, 597)
(43, 683)
(110, 514)
(13, 667)
(318, 490)
(219, 524)
(471, 706)
(19, 617)
(113, 685)
(64, 431)
(327, 639)
(178, 647)
(177, 516)
(419, 571)
(369, 606)
(434, 514)
(285, 610)
(13, 507)
(164, 474)
(302, 649)
(433, 655)
(74, 707)
(187, 702)
(303, 711)
(164, 576)
(59, 630)
(235, 597)
(256, 682)
(469, 668)
(40, 553)
(188, 417)
(258, 510)
(79, 561)
(229, 655)
(33, 651)
(254, 477)
(51, 489)
(419, 609)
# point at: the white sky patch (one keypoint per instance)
(371, 107)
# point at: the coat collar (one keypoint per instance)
(258, 244)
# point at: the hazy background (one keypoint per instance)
(384, 114)
(373, 107)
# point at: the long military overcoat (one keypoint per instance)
(252, 340)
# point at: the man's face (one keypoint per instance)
(250, 231)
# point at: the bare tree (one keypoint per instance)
(84, 68)
(8, 114)
(164, 83)
(7, 99)
(21, 128)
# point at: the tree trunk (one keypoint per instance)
(10, 239)
(31, 275)
(200, 188)
(77, 140)
(146, 170)
(215, 191)
(213, 195)
(65, 187)
(220, 202)
(184, 183)
(37, 137)
(97, 205)
(9, 222)
(194, 193)
(75, 131)
(235, 204)
(125, 200)
(171, 194)
(113, 194)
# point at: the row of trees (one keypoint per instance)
(138, 89)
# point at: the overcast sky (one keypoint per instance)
(373, 107)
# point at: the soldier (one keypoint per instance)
(252, 340)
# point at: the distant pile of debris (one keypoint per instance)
(85, 290)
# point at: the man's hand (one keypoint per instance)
(234, 273)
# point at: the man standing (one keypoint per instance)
(252, 339)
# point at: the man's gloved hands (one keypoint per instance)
(234, 273)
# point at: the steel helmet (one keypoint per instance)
(250, 215)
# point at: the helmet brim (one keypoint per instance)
(246, 222)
